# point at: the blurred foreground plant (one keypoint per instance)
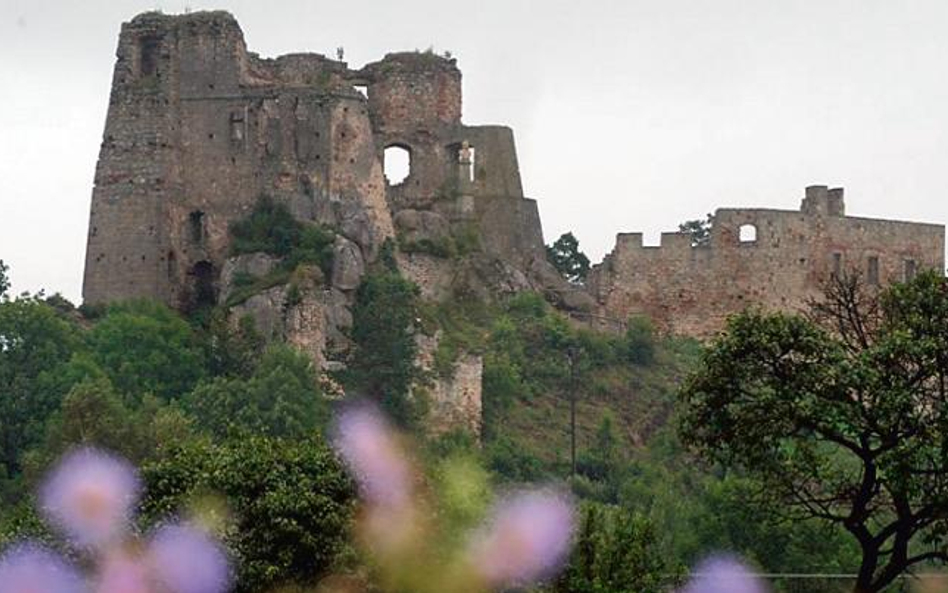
(526, 538)
(89, 497)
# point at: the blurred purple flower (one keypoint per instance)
(29, 568)
(122, 574)
(90, 495)
(528, 539)
(185, 559)
(723, 574)
(369, 448)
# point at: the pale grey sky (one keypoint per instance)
(629, 115)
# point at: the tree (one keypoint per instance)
(566, 257)
(700, 230)
(842, 416)
(291, 502)
(146, 347)
(383, 365)
(36, 345)
(280, 399)
(4, 279)
(616, 551)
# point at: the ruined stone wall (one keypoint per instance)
(691, 290)
(199, 129)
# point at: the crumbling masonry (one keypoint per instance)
(775, 259)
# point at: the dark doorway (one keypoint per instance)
(203, 293)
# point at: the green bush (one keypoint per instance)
(271, 228)
(640, 341)
(291, 504)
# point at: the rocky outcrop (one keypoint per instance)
(348, 265)
(454, 397)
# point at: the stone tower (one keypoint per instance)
(198, 129)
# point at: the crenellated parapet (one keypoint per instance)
(776, 259)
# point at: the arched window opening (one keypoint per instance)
(362, 89)
(397, 164)
(747, 233)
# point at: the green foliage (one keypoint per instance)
(615, 552)
(291, 504)
(639, 346)
(92, 413)
(846, 424)
(280, 398)
(383, 364)
(566, 257)
(4, 279)
(36, 343)
(271, 228)
(700, 230)
(231, 351)
(146, 347)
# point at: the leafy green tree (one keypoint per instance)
(231, 351)
(4, 279)
(35, 344)
(291, 503)
(145, 347)
(566, 257)
(615, 552)
(639, 343)
(700, 230)
(280, 399)
(383, 365)
(841, 417)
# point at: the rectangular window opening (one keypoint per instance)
(872, 270)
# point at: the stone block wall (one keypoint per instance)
(778, 262)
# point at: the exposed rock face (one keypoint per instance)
(348, 266)
(250, 264)
(415, 226)
(455, 398)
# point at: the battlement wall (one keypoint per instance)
(775, 259)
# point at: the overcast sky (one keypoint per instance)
(630, 115)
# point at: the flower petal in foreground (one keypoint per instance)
(30, 568)
(527, 540)
(723, 574)
(185, 559)
(90, 495)
(370, 449)
(123, 574)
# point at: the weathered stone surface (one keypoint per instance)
(254, 264)
(199, 128)
(433, 275)
(348, 266)
(305, 328)
(266, 310)
(455, 399)
(421, 225)
(691, 290)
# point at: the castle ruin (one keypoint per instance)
(774, 259)
(199, 129)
